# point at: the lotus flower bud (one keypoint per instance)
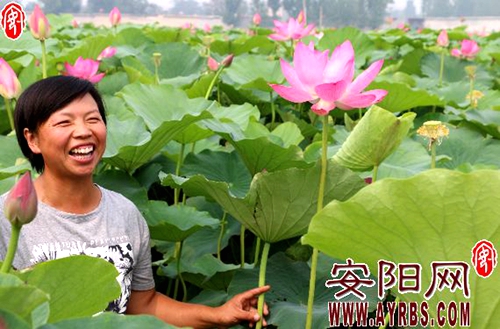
(226, 62)
(442, 39)
(301, 18)
(39, 24)
(212, 64)
(257, 19)
(107, 52)
(21, 204)
(115, 16)
(10, 87)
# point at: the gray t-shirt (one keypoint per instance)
(115, 231)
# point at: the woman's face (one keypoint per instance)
(72, 140)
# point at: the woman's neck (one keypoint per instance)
(72, 196)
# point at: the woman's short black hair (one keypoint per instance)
(37, 103)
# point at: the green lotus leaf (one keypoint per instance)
(177, 59)
(119, 181)
(465, 146)
(20, 300)
(253, 72)
(261, 149)
(205, 265)
(239, 114)
(373, 139)
(487, 120)
(362, 44)
(129, 146)
(401, 97)
(11, 320)
(72, 283)
(220, 166)
(175, 223)
(260, 43)
(111, 321)
(454, 70)
(410, 158)
(280, 204)
(438, 215)
(159, 103)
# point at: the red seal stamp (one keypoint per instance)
(484, 258)
(13, 20)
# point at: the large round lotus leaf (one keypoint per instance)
(373, 139)
(78, 285)
(279, 204)
(436, 216)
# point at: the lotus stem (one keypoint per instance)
(441, 70)
(177, 190)
(178, 253)
(433, 154)
(242, 246)
(223, 223)
(471, 93)
(321, 194)
(11, 250)
(8, 108)
(257, 251)
(212, 83)
(262, 282)
(44, 59)
(375, 173)
(157, 76)
(273, 110)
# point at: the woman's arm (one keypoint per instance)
(241, 307)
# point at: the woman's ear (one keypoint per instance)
(32, 140)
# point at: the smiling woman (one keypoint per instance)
(61, 128)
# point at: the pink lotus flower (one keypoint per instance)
(74, 23)
(469, 49)
(293, 30)
(107, 53)
(403, 26)
(10, 87)
(207, 28)
(39, 24)
(442, 39)
(115, 16)
(327, 83)
(84, 69)
(257, 19)
(21, 204)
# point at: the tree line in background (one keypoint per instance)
(368, 14)
(325, 13)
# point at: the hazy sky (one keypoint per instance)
(398, 4)
(401, 4)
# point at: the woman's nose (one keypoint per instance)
(82, 130)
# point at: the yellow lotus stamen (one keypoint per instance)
(434, 131)
(474, 97)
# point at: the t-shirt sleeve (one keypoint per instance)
(142, 278)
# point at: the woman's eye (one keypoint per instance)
(62, 123)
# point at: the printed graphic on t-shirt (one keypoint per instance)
(120, 255)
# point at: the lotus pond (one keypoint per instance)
(231, 176)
